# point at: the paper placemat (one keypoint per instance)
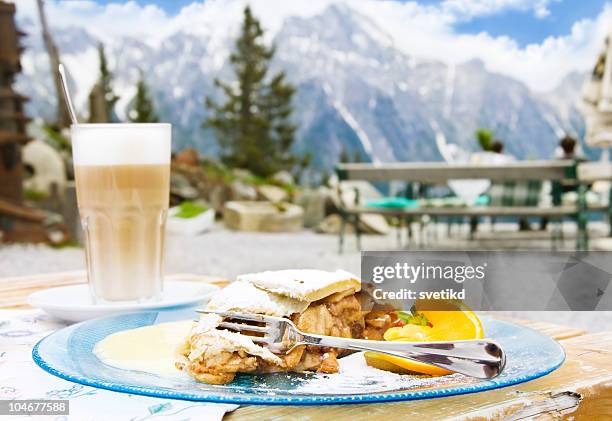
(21, 378)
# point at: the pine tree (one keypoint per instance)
(253, 125)
(325, 177)
(142, 109)
(106, 83)
(344, 155)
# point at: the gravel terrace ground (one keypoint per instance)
(227, 253)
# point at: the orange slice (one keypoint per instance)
(449, 321)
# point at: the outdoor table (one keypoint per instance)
(581, 388)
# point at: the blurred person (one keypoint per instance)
(567, 149)
(498, 156)
(497, 146)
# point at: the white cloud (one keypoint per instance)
(428, 32)
(467, 9)
(419, 30)
(106, 22)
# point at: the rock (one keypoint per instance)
(331, 225)
(217, 196)
(283, 177)
(56, 236)
(188, 156)
(262, 216)
(372, 223)
(369, 224)
(272, 193)
(181, 187)
(47, 167)
(242, 191)
(314, 202)
(242, 174)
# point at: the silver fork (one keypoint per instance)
(480, 358)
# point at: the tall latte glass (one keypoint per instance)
(122, 176)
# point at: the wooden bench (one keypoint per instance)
(560, 172)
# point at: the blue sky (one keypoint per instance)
(521, 25)
(170, 6)
(526, 28)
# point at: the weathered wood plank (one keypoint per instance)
(42, 280)
(555, 331)
(14, 291)
(20, 211)
(594, 171)
(581, 388)
(436, 172)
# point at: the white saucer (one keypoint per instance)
(73, 302)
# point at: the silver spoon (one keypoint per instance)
(62, 75)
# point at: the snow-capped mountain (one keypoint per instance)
(356, 90)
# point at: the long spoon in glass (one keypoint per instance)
(66, 92)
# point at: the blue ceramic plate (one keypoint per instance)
(68, 354)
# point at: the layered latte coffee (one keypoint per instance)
(122, 174)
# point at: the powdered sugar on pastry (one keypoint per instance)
(247, 298)
(303, 284)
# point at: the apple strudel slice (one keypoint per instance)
(316, 301)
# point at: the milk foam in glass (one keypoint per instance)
(122, 174)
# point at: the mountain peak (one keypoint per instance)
(355, 89)
(475, 64)
(339, 27)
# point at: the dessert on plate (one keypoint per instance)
(317, 301)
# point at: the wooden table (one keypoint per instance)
(581, 389)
